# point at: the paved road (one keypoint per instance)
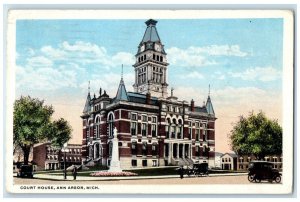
(170, 181)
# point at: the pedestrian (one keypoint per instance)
(74, 172)
(181, 172)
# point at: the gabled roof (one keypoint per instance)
(122, 93)
(87, 106)
(151, 32)
(230, 154)
(209, 107)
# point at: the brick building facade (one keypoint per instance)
(154, 129)
(47, 157)
(243, 161)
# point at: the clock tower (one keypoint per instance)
(151, 64)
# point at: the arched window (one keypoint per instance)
(153, 56)
(110, 124)
(97, 127)
(157, 57)
(161, 59)
(110, 147)
(144, 57)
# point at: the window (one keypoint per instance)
(144, 118)
(133, 116)
(153, 130)
(97, 127)
(144, 151)
(110, 125)
(110, 149)
(144, 162)
(144, 130)
(154, 163)
(154, 119)
(133, 163)
(133, 148)
(154, 150)
(133, 128)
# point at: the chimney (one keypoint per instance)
(192, 105)
(148, 98)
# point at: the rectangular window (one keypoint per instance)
(144, 151)
(134, 163)
(154, 163)
(133, 148)
(133, 117)
(154, 119)
(153, 130)
(133, 128)
(144, 118)
(144, 162)
(144, 130)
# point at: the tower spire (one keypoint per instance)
(208, 90)
(89, 87)
(122, 72)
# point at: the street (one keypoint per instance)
(242, 179)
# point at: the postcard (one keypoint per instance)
(149, 101)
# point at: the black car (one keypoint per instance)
(263, 170)
(25, 171)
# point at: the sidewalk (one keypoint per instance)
(86, 178)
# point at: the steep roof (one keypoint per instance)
(122, 93)
(151, 32)
(209, 106)
(87, 106)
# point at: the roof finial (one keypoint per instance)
(208, 90)
(89, 87)
(172, 89)
(122, 72)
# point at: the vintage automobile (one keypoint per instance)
(263, 170)
(200, 169)
(25, 171)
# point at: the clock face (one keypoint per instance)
(142, 48)
(157, 47)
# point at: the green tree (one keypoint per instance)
(256, 135)
(31, 117)
(58, 132)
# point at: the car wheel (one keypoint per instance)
(257, 180)
(278, 179)
(251, 178)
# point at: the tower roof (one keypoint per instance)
(87, 106)
(122, 93)
(209, 106)
(151, 32)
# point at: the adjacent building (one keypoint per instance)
(229, 161)
(243, 161)
(47, 157)
(155, 128)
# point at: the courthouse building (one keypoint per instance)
(155, 128)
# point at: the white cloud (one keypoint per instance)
(198, 56)
(221, 50)
(258, 73)
(39, 61)
(44, 78)
(55, 68)
(187, 58)
(86, 53)
(108, 82)
(192, 75)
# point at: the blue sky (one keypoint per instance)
(240, 58)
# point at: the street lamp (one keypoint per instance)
(65, 150)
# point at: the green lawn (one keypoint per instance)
(141, 172)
